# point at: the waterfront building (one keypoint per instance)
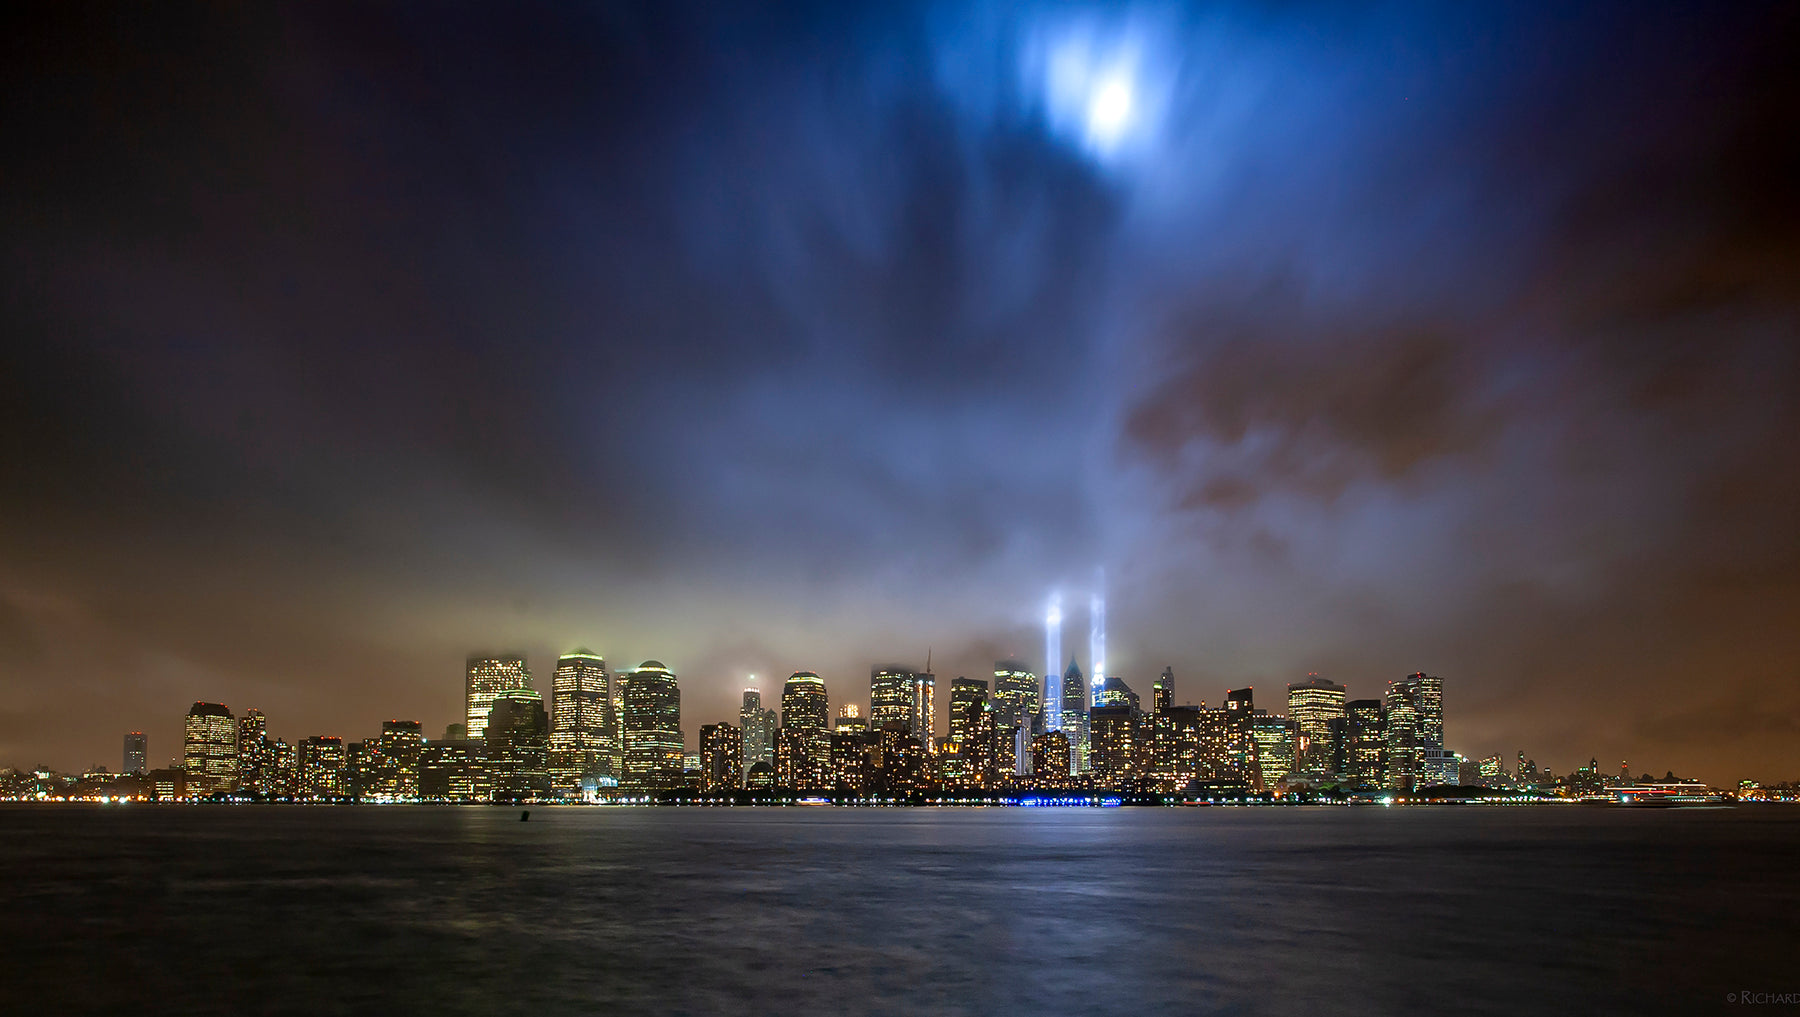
(1050, 758)
(1402, 736)
(286, 781)
(518, 745)
(398, 751)
(487, 677)
(256, 754)
(1114, 744)
(1274, 736)
(582, 723)
(850, 750)
(651, 724)
(1365, 733)
(1313, 706)
(321, 761)
(1176, 747)
(1491, 771)
(359, 770)
(760, 776)
(137, 753)
(210, 750)
(805, 708)
(454, 770)
(721, 757)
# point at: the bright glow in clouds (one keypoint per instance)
(1100, 85)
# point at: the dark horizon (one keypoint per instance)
(341, 342)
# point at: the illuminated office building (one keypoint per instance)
(1274, 748)
(137, 753)
(850, 751)
(487, 678)
(1113, 755)
(1050, 757)
(721, 757)
(256, 754)
(518, 745)
(1016, 693)
(321, 761)
(1402, 736)
(1313, 705)
(210, 750)
(803, 750)
(360, 780)
(454, 770)
(397, 755)
(1365, 734)
(652, 729)
(890, 697)
(581, 723)
(1162, 693)
(850, 721)
(924, 709)
(759, 730)
(967, 698)
(1112, 691)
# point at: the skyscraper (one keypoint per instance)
(1114, 752)
(397, 759)
(890, 697)
(804, 705)
(137, 753)
(721, 757)
(1274, 747)
(924, 709)
(758, 730)
(1162, 694)
(518, 745)
(582, 724)
(320, 765)
(1015, 693)
(968, 697)
(487, 678)
(1365, 730)
(209, 750)
(1402, 742)
(256, 754)
(652, 729)
(1415, 731)
(1312, 705)
(805, 713)
(1073, 722)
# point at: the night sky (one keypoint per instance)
(1360, 340)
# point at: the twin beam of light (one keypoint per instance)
(1053, 666)
(1097, 642)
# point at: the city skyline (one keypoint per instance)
(1313, 732)
(341, 341)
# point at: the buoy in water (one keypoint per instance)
(525, 817)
